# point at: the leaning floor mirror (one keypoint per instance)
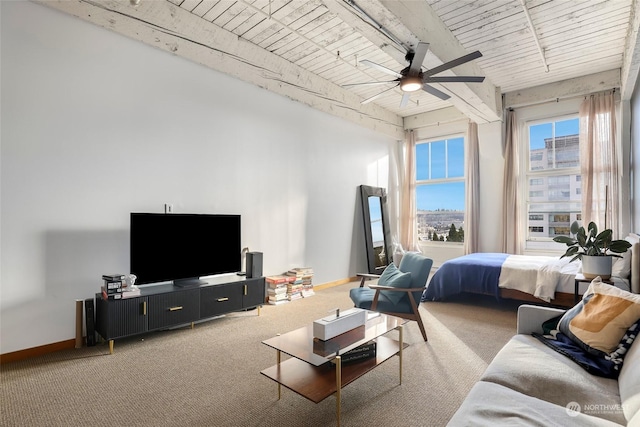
(377, 234)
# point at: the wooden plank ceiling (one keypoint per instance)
(308, 50)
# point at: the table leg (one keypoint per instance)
(400, 342)
(110, 346)
(278, 357)
(338, 361)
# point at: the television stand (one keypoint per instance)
(166, 306)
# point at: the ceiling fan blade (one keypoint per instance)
(369, 83)
(381, 68)
(435, 92)
(405, 99)
(374, 97)
(418, 58)
(454, 79)
(454, 63)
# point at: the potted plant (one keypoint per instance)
(594, 249)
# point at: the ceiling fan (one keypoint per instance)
(412, 78)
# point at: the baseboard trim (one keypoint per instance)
(36, 351)
(334, 283)
(67, 344)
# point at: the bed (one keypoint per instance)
(525, 277)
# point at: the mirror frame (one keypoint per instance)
(367, 191)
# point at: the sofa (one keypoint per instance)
(529, 383)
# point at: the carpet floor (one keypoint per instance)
(210, 375)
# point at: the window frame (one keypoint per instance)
(435, 181)
(539, 242)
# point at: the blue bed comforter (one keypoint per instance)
(476, 273)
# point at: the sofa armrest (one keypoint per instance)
(531, 317)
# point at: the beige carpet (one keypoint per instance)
(210, 376)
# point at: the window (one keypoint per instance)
(559, 231)
(440, 189)
(560, 218)
(553, 176)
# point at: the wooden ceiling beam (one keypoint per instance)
(413, 21)
(165, 26)
(577, 86)
(631, 58)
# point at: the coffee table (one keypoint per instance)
(315, 370)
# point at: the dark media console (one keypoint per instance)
(165, 306)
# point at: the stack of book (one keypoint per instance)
(115, 287)
(362, 352)
(304, 277)
(277, 289)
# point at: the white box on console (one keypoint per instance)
(332, 326)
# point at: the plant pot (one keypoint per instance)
(593, 266)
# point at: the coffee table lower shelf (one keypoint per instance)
(316, 383)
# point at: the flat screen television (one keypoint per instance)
(183, 247)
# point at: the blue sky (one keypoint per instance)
(448, 196)
(538, 133)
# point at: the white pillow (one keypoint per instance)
(622, 266)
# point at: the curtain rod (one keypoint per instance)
(615, 91)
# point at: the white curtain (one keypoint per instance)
(472, 193)
(599, 162)
(408, 232)
(512, 239)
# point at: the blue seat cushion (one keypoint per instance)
(363, 298)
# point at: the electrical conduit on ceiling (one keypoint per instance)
(535, 36)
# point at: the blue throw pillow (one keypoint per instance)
(394, 278)
(607, 365)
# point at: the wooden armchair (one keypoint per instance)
(395, 298)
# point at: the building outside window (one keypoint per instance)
(440, 189)
(553, 177)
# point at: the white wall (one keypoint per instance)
(491, 186)
(95, 126)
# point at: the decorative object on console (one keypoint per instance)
(254, 264)
(119, 286)
(339, 323)
(113, 285)
(593, 248)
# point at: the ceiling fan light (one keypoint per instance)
(411, 84)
